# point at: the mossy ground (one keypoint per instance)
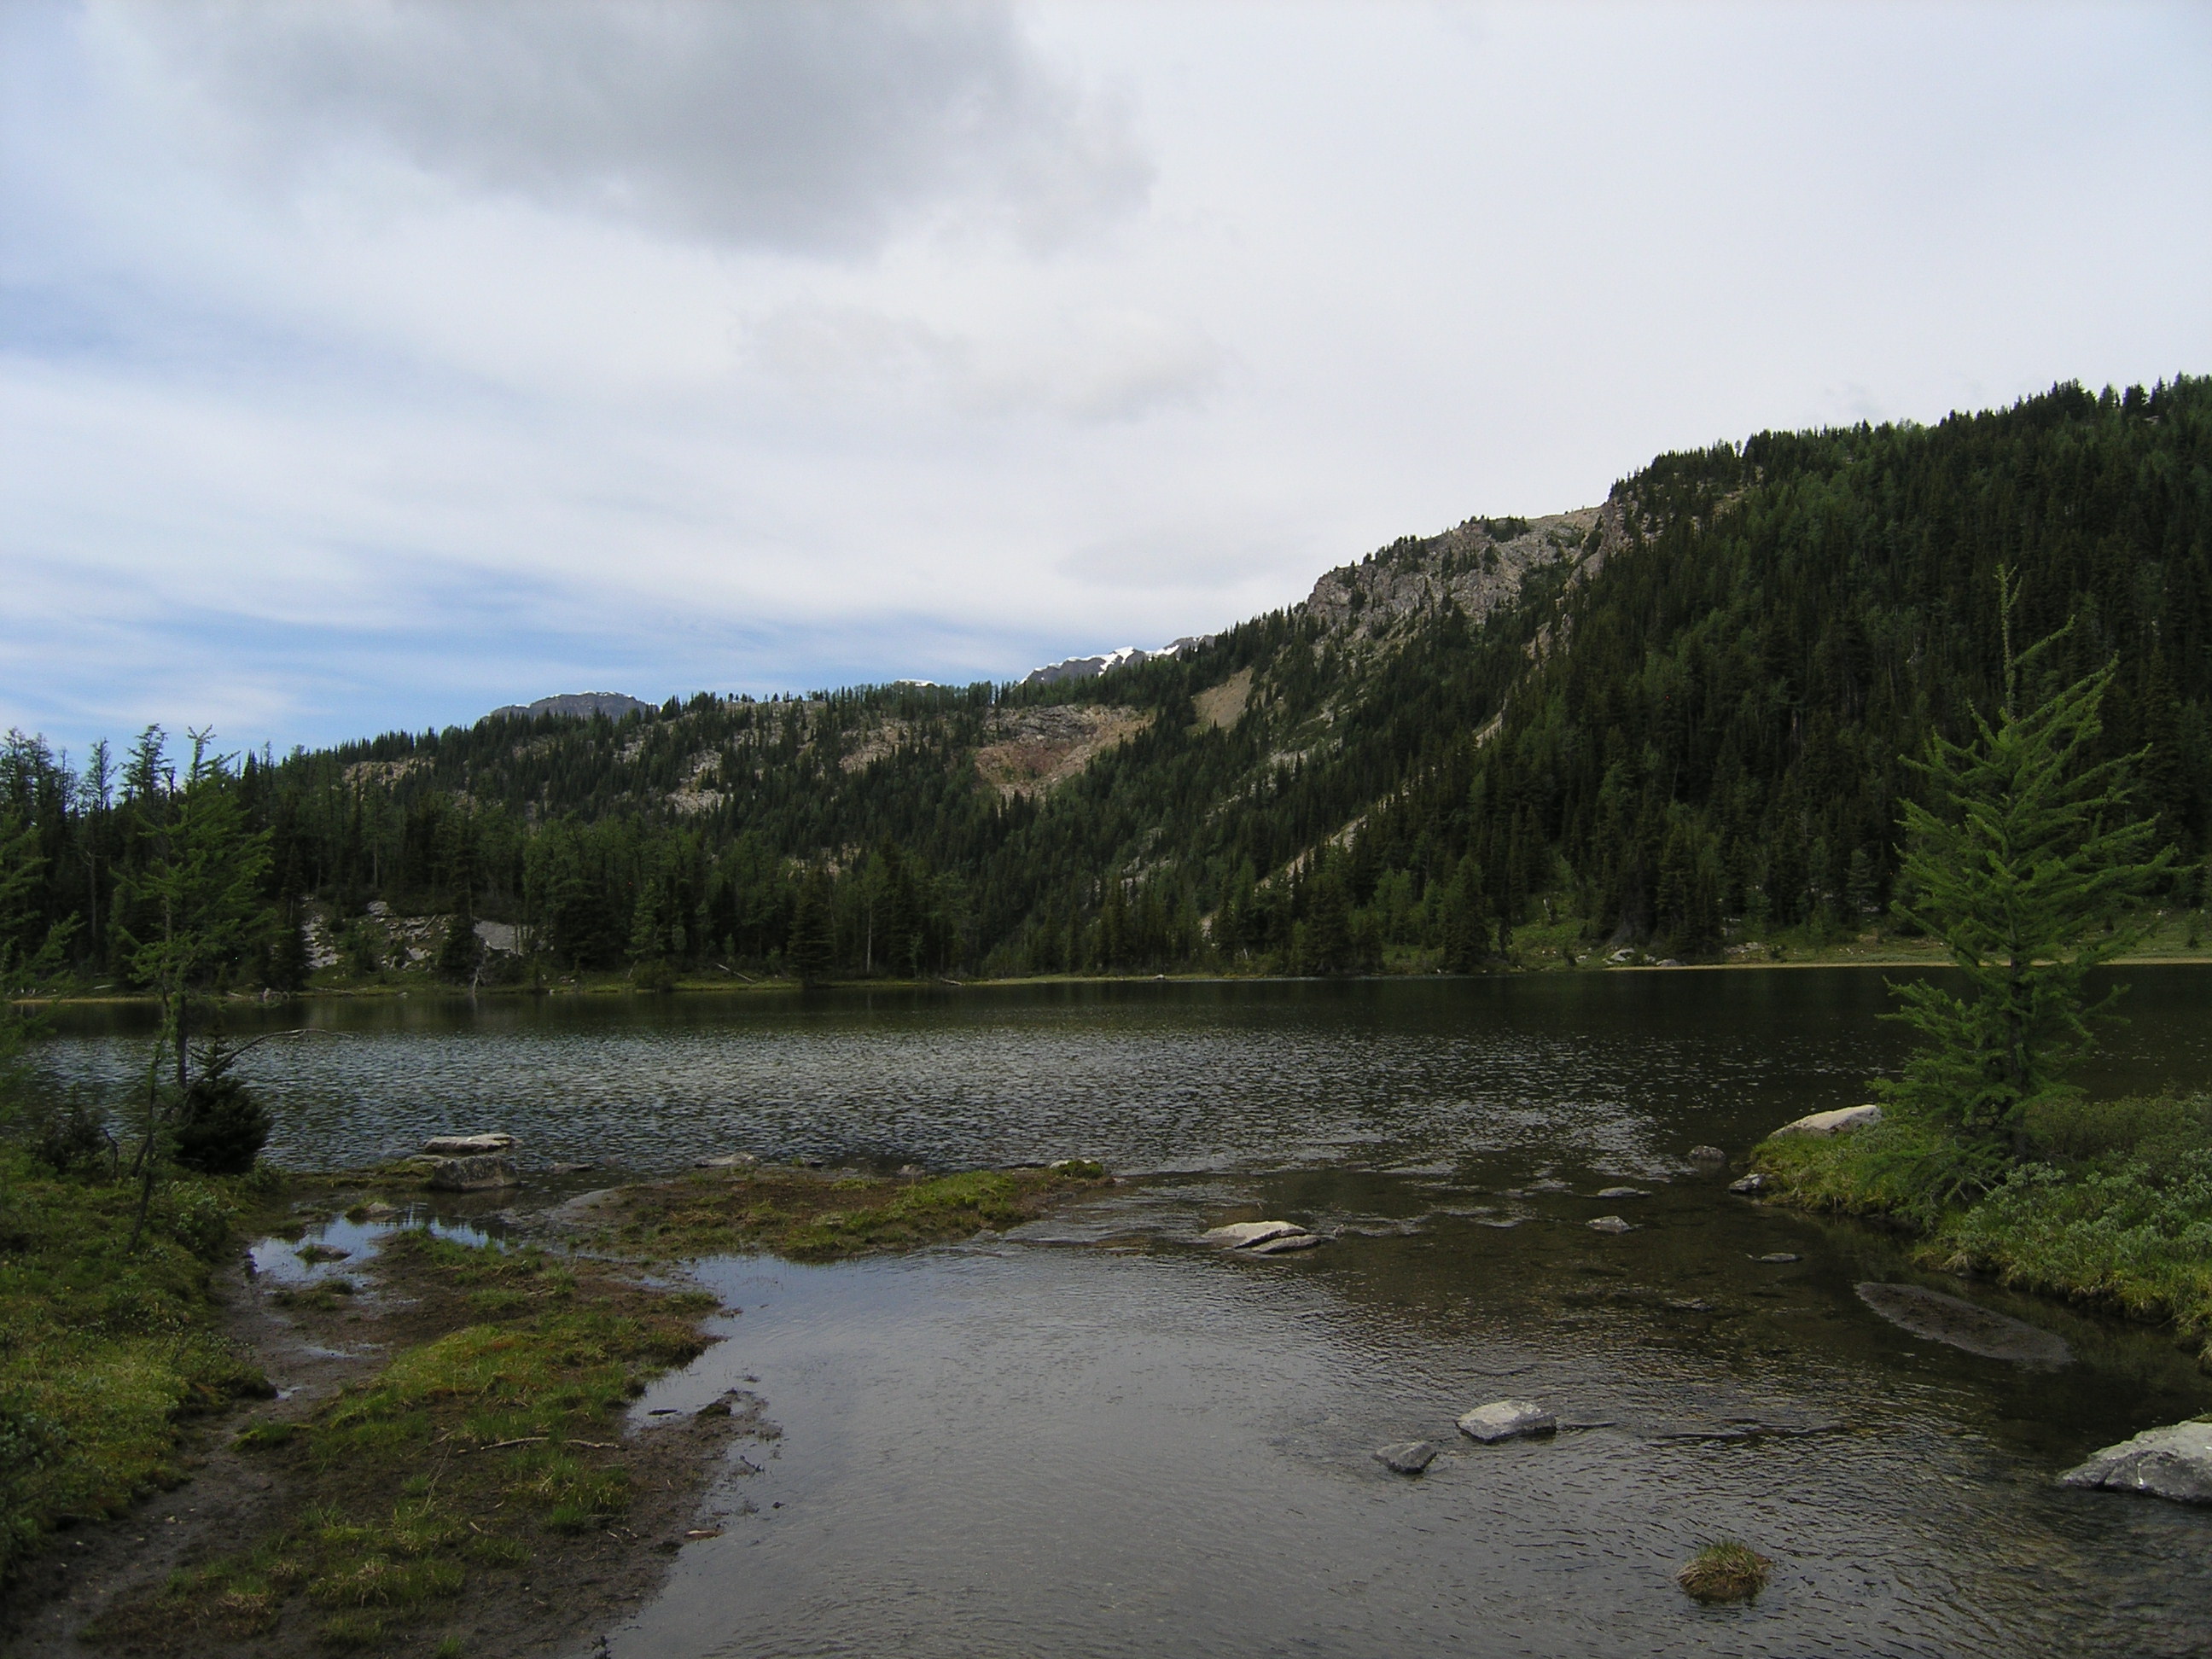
(807, 1216)
(104, 1349)
(2111, 1206)
(467, 1454)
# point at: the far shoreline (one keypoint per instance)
(618, 987)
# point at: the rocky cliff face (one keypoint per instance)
(1477, 566)
(581, 704)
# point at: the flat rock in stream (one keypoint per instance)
(1624, 1191)
(1507, 1419)
(2173, 1462)
(1241, 1235)
(1408, 1457)
(1284, 1242)
(467, 1146)
(1966, 1325)
(1613, 1224)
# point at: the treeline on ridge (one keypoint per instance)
(1683, 734)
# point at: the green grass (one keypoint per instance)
(104, 1350)
(2112, 1205)
(806, 1216)
(451, 1460)
(1729, 1570)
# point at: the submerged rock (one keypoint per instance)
(1750, 1186)
(478, 1174)
(1240, 1235)
(1831, 1123)
(467, 1146)
(727, 1161)
(1966, 1325)
(1612, 1223)
(1507, 1419)
(1409, 1457)
(1777, 1258)
(1707, 1155)
(1285, 1242)
(2173, 1462)
(1624, 1191)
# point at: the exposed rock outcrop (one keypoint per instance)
(1831, 1123)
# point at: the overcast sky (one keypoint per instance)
(369, 365)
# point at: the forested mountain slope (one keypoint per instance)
(1674, 718)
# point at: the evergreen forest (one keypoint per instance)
(1674, 724)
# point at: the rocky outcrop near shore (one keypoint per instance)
(1831, 1123)
(2173, 1462)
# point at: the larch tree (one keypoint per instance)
(2018, 862)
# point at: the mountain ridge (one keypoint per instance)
(1676, 717)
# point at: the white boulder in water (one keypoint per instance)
(1285, 1242)
(1242, 1235)
(1831, 1123)
(1507, 1419)
(2172, 1462)
(1613, 1224)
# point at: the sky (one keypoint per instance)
(368, 364)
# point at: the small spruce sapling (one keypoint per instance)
(2018, 862)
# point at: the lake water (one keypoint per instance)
(1096, 1436)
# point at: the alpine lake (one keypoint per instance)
(1096, 1435)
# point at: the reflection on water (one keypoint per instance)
(327, 1250)
(1097, 1436)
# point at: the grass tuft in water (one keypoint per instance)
(1729, 1570)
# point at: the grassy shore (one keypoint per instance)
(2113, 1207)
(470, 1453)
(104, 1349)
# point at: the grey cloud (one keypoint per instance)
(806, 127)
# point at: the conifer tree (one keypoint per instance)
(2017, 863)
(199, 894)
(813, 947)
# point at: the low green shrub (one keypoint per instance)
(2113, 1208)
